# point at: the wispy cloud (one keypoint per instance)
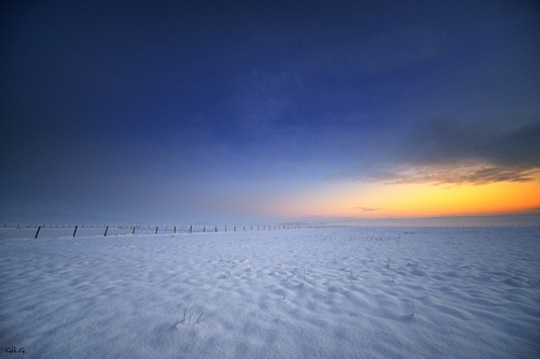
(365, 209)
(449, 152)
(456, 174)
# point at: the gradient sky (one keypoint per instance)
(187, 110)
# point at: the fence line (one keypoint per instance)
(23, 232)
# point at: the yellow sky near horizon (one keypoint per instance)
(377, 200)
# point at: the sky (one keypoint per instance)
(178, 111)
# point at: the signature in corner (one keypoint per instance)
(14, 350)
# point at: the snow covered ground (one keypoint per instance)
(309, 293)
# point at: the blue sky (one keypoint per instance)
(148, 111)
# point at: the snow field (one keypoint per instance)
(310, 293)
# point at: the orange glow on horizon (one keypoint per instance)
(373, 200)
(463, 200)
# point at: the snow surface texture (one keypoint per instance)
(309, 293)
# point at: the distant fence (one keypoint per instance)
(73, 231)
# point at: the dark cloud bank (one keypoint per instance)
(446, 151)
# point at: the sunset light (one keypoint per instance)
(374, 200)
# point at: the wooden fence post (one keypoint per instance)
(75, 232)
(133, 230)
(174, 229)
(106, 230)
(190, 229)
(156, 230)
(37, 232)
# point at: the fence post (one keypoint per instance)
(174, 229)
(75, 232)
(235, 228)
(37, 232)
(190, 229)
(106, 230)
(204, 228)
(225, 228)
(215, 229)
(133, 230)
(156, 230)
